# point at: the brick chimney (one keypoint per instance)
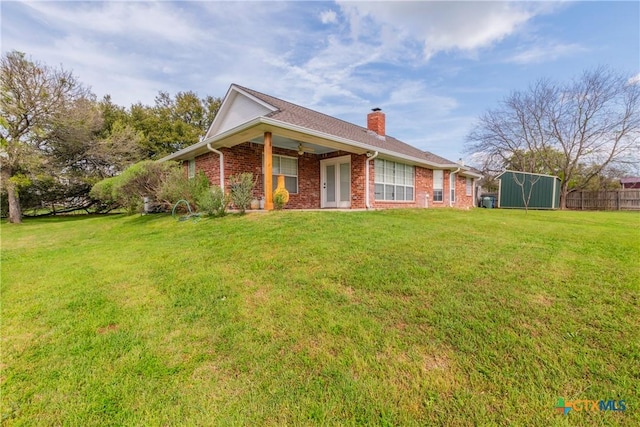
(375, 121)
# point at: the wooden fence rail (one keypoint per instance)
(628, 199)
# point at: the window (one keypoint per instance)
(287, 166)
(438, 185)
(192, 168)
(452, 187)
(394, 181)
(469, 187)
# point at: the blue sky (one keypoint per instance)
(433, 67)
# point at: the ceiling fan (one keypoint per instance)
(302, 149)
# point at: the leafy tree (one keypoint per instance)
(173, 123)
(582, 126)
(33, 102)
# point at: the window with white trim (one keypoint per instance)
(452, 187)
(287, 166)
(393, 181)
(469, 187)
(438, 185)
(192, 168)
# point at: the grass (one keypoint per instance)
(409, 317)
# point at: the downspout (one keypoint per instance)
(452, 184)
(219, 153)
(368, 185)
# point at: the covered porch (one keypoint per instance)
(319, 173)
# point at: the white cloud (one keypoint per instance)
(547, 52)
(328, 17)
(635, 80)
(367, 54)
(140, 19)
(441, 26)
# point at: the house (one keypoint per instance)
(630, 182)
(522, 190)
(326, 162)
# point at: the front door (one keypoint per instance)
(335, 182)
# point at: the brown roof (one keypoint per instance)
(301, 116)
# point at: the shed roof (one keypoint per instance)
(630, 180)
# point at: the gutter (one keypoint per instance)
(368, 185)
(219, 153)
(452, 184)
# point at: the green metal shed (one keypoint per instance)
(516, 188)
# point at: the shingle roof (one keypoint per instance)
(297, 115)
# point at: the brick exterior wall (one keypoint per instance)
(247, 157)
(462, 200)
(423, 185)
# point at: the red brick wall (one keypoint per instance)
(247, 157)
(358, 181)
(423, 185)
(462, 200)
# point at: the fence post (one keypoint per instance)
(618, 200)
(581, 200)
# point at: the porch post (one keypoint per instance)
(268, 172)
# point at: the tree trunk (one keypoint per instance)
(564, 191)
(15, 213)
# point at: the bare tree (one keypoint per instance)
(526, 190)
(593, 120)
(33, 99)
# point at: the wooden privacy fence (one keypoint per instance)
(616, 200)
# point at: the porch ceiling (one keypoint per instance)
(293, 144)
(288, 139)
(282, 137)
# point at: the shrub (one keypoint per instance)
(103, 190)
(213, 201)
(242, 190)
(279, 200)
(178, 187)
(143, 179)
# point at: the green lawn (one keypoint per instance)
(412, 317)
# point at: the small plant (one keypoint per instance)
(280, 194)
(242, 190)
(279, 200)
(213, 202)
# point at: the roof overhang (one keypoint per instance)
(258, 126)
(526, 173)
(471, 174)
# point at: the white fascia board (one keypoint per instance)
(227, 100)
(471, 174)
(223, 108)
(253, 98)
(212, 140)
